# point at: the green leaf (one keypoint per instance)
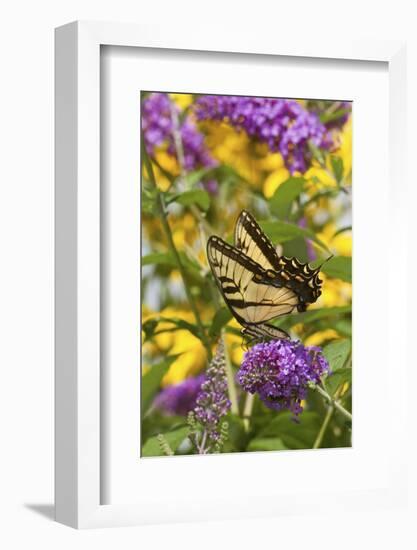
(337, 379)
(337, 166)
(151, 381)
(180, 324)
(328, 117)
(174, 439)
(281, 232)
(148, 199)
(316, 152)
(168, 259)
(343, 327)
(159, 258)
(266, 444)
(283, 197)
(294, 435)
(198, 197)
(339, 267)
(195, 177)
(226, 173)
(342, 230)
(221, 318)
(237, 435)
(337, 353)
(332, 192)
(311, 316)
(296, 248)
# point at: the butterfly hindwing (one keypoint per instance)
(265, 331)
(302, 278)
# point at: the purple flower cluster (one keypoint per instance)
(280, 371)
(179, 398)
(212, 401)
(158, 125)
(283, 124)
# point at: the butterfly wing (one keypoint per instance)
(265, 331)
(295, 275)
(252, 241)
(302, 278)
(242, 282)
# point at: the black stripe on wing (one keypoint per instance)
(231, 253)
(302, 278)
(247, 231)
(232, 290)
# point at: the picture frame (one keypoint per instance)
(79, 408)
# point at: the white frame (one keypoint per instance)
(77, 70)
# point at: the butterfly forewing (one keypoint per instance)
(252, 241)
(250, 301)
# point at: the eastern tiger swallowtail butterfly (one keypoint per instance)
(256, 283)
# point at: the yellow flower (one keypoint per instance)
(270, 161)
(191, 360)
(340, 244)
(345, 150)
(318, 178)
(334, 293)
(179, 237)
(183, 228)
(182, 100)
(318, 338)
(167, 161)
(234, 343)
(191, 353)
(234, 148)
(274, 180)
(188, 221)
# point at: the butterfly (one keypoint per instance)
(256, 283)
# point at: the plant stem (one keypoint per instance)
(201, 448)
(231, 388)
(173, 248)
(247, 410)
(179, 148)
(333, 402)
(323, 428)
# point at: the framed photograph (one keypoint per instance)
(225, 220)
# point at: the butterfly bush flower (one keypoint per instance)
(283, 124)
(280, 371)
(179, 398)
(212, 400)
(159, 129)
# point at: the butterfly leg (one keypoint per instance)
(246, 332)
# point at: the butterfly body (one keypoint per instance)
(256, 283)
